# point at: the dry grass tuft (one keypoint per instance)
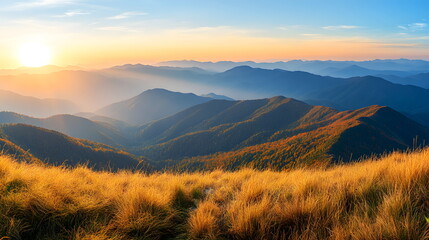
(376, 199)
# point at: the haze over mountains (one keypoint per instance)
(286, 118)
(10, 101)
(316, 66)
(94, 89)
(276, 132)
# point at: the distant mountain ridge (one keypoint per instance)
(341, 93)
(216, 96)
(10, 101)
(421, 79)
(357, 71)
(313, 66)
(151, 105)
(360, 92)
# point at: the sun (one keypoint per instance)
(34, 55)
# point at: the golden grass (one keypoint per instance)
(375, 199)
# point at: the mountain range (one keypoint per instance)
(281, 130)
(357, 71)
(341, 116)
(312, 66)
(274, 132)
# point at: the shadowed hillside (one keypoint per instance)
(54, 148)
(383, 199)
(74, 126)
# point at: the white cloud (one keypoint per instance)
(290, 27)
(340, 27)
(72, 14)
(118, 29)
(312, 35)
(398, 45)
(413, 27)
(41, 3)
(125, 15)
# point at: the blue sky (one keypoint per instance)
(397, 26)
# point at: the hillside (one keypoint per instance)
(151, 105)
(217, 96)
(365, 91)
(74, 126)
(277, 132)
(235, 121)
(10, 101)
(54, 148)
(345, 137)
(375, 199)
(421, 80)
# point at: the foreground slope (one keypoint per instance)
(30, 143)
(384, 199)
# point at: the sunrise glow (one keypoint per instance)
(34, 55)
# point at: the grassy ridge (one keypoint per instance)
(383, 199)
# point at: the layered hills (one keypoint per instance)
(275, 132)
(71, 125)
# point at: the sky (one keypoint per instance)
(108, 32)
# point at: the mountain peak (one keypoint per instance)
(240, 68)
(152, 104)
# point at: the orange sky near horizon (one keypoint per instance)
(109, 53)
(91, 33)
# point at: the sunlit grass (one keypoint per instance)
(383, 199)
